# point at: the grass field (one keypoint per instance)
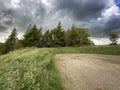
(110, 50)
(33, 68)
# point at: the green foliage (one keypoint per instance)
(18, 44)
(84, 37)
(31, 37)
(1, 44)
(74, 36)
(67, 38)
(46, 40)
(40, 41)
(1, 47)
(29, 69)
(77, 37)
(110, 50)
(58, 36)
(9, 45)
(114, 37)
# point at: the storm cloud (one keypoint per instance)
(81, 9)
(6, 15)
(99, 16)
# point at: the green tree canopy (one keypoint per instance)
(77, 36)
(9, 45)
(58, 36)
(31, 37)
(114, 37)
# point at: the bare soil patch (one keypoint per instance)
(89, 71)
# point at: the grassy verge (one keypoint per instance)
(29, 69)
(110, 50)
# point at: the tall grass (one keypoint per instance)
(29, 69)
(111, 50)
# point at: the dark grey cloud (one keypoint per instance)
(6, 15)
(86, 13)
(80, 9)
(29, 12)
(3, 27)
(104, 26)
(8, 22)
(46, 13)
(112, 23)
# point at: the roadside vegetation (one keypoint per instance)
(29, 69)
(110, 50)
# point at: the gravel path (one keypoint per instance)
(89, 71)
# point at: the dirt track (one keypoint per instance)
(89, 71)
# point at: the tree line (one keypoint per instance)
(57, 37)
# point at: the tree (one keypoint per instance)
(9, 45)
(18, 44)
(1, 46)
(77, 37)
(40, 41)
(74, 37)
(47, 39)
(84, 36)
(28, 29)
(114, 37)
(31, 37)
(58, 36)
(67, 37)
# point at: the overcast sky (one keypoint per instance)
(99, 16)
